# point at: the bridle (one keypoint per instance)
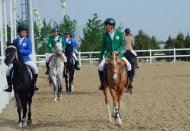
(16, 54)
(56, 65)
(115, 73)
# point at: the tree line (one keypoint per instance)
(92, 35)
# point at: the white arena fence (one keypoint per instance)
(91, 58)
(152, 55)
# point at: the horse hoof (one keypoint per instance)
(119, 122)
(24, 122)
(55, 99)
(29, 122)
(110, 120)
(20, 124)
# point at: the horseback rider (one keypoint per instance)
(113, 40)
(70, 42)
(55, 38)
(24, 45)
(130, 43)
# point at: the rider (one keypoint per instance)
(70, 41)
(112, 41)
(51, 43)
(129, 43)
(24, 45)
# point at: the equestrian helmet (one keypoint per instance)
(67, 33)
(21, 27)
(109, 21)
(127, 30)
(55, 29)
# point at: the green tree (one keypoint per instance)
(68, 25)
(92, 32)
(187, 45)
(144, 42)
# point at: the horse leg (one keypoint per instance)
(24, 106)
(105, 91)
(71, 80)
(19, 108)
(53, 78)
(116, 104)
(66, 82)
(60, 89)
(29, 121)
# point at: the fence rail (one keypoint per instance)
(152, 54)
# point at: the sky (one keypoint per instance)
(159, 18)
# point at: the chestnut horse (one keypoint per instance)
(115, 82)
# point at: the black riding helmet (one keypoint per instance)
(55, 29)
(67, 33)
(110, 21)
(127, 30)
(20, 28)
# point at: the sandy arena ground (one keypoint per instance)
(160, 102)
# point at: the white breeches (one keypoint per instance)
(102, 64)
(49, 54)
(29, 63)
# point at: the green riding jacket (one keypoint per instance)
(51, 43)
(109, 45)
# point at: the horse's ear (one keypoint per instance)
(8, 43)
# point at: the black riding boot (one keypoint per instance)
(77, 67)
(9, 89)
(47, 67)
(130, 86)
(35, 80)
(101, 74)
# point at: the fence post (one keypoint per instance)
(150, 56)
(80, 58)
(174, 55)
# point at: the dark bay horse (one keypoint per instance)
(69, 70)
(22, 84)
(133, 61)
(115, 81)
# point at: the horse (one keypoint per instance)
(115, 82)
(133, 61)
(22, 82)
(56, 71)
(69, 70)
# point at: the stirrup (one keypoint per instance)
(35, 87)
(8, 89)
(77, 67)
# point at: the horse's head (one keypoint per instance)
(10, 54)
(58, 49)
(115, 67)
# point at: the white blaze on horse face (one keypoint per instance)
(58, 46)
(115, 77)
